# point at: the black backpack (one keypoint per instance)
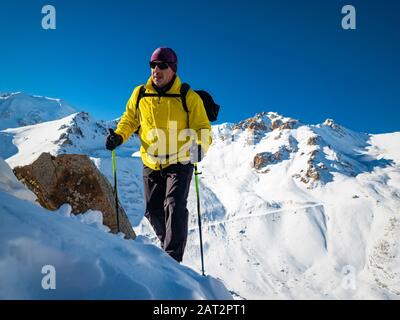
(211, 107)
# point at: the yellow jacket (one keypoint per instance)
(163, 124)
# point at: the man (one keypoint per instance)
(172, 139)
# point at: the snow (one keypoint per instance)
(10, 184)
(383, 145)
(20, 109)
(77, 133)
(89, 262)
(43, 134)
(271, 236)
(267, 234)
(335, 230)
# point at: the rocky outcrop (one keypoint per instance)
(265, 122)
(260, 123)
(312, 174)
(263, 159)
(74, 179)
(335, 127)
(312, 141)
(280, 124)
(73, 129)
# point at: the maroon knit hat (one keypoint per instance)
(165, 55)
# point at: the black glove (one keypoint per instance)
(113, 140)
(196, 153)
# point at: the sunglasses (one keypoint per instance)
(161, 65)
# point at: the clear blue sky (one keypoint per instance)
(291, 57)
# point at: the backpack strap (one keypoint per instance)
(142, 91)
(184, 90)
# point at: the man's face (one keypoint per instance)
(161, 76)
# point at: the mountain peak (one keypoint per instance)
(21, 109)
(266, 122)
(331, 123)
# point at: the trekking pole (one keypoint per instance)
(196, 178)
(114, 167)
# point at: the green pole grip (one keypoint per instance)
(114, 163)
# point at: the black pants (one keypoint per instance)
(166, 193)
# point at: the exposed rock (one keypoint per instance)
(331, 123)
(313, 171)
(265, 122)
(74, 179)
(255, 129)
(334, 126)
(312, 156)
(276, 123)
(312, 141)
(259, 123)
(312, 174)
(261, 160)
(289, 124)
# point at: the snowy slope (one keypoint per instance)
(77, 133)
(289, 210)
(89, 262)
(283, 235)
(20, 109)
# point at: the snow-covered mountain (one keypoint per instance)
(301, 211)
(289, 210)
(77, 133)
(20, 109)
